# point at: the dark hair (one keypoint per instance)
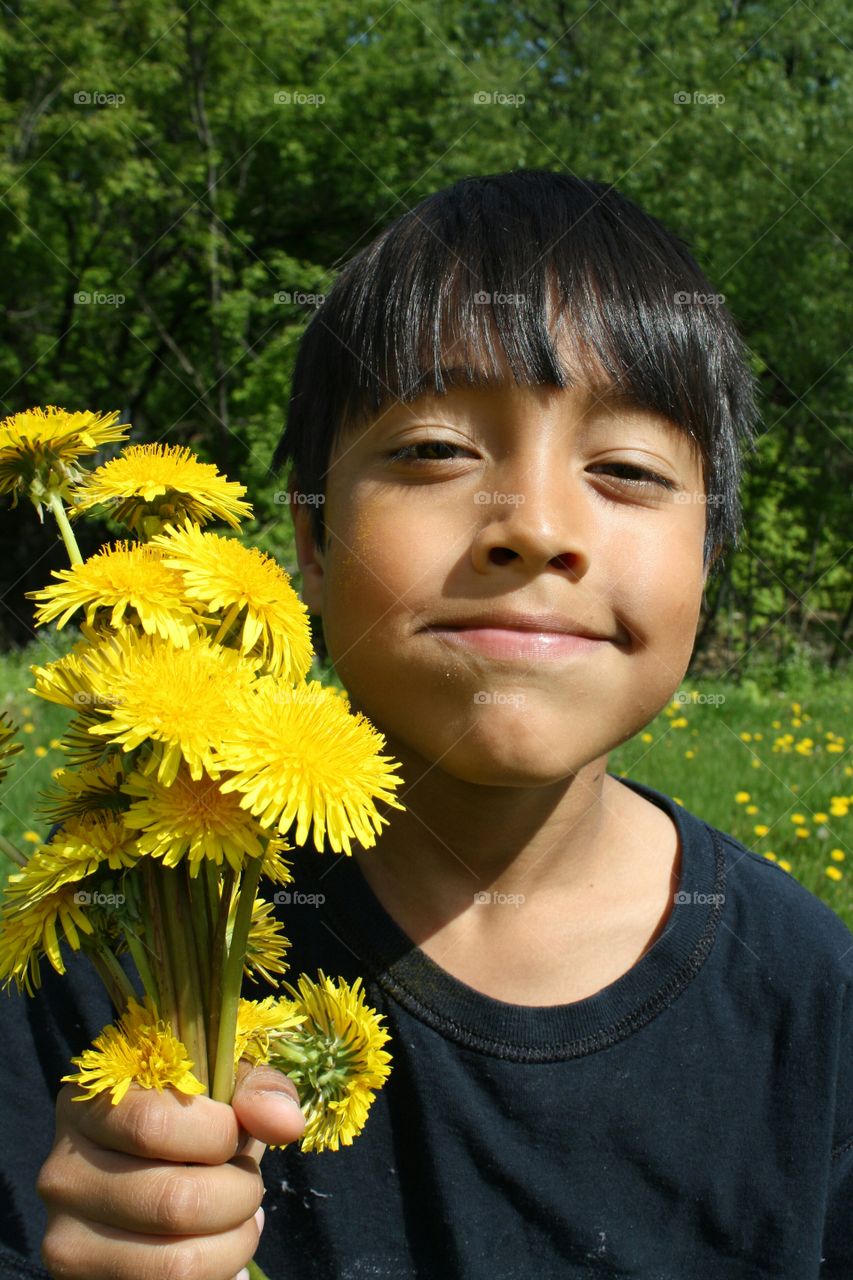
(636, 303)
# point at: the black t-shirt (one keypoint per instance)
(693, 1120)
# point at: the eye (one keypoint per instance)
(639, 477)
(405, 454)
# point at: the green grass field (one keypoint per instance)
(771, 767)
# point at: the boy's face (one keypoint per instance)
(527, 512)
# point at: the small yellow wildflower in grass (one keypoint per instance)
(55, 743)
(246, 583)
(148, 485)
(756, 764)
(798, 818)
(761, 829)
(796, 708)
(751, 809)
(745, 737)
(32, 837)
(768, 853)
(742, 797)
(784, 864)
(190, 819)
(40, 751)
(141, 1050)
(689, 755)
(41, 449)
(834, 873)
(837, 855)
(29, 727)
(646, 737)
(802, 832)
(758, 737)
(677, 801)
(834, 747)
(820, 817)
(298, 753)
(125, 579)
(776, 724)
(681, 723)
(335, 1058)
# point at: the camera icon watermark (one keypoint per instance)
(95, 898)
(284, 498)
(98, 99)
(286, 98)
(700, 499)
(698, 99)
(293, 898)
(483, 98)
(287, 297)
(98, 299)
(482, 298)
(482, 697)
(483, 898)
(683, 299)
(711, 699)
(483, 498)
(698, 899)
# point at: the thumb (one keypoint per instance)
(267, 1104)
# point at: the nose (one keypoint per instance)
(535, 518)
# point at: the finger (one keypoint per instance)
(266, 1105)
(80, 1250)
(149, 1196)
(147, 1123)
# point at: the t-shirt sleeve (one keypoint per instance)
(837, 1247)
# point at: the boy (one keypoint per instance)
(621, 1040)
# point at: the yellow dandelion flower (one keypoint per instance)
(275, 867)
(676, 799)
(148, 485)
(40, 752)
(820, 817)
(129, 579)
(79, 790)
(745, 737)
(253, 591)
(834, 873)
(837, 855)
(689, 755)
(751, 809)
(84, 843)
(756, 764)
(40, 449)
(785, 865)
(26, 936)
(761, 829)
(776, 724)
(256, 1020)
(646, 737)
(266, 943)
(8, 747)
(758, 737)
(742, 797)
(834, 747)
(32, 837)
(335, 1058)
(140, 1050)
(802, 832)
(29, 728)
(179, 700)
(798, 818)
(297, 753)
(190, 819)
(768, 853)
(680, 723)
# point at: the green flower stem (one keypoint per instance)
(178, 918)
(114, 978)
(255, 1272)
(194, 891)
(219, 953)
(136, 947)
(55, 503)
(166, 999)
(232, 982)
(12, 852)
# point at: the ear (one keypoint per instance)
(308, 555)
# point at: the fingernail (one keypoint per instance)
(281, 1095)
(259, 1218)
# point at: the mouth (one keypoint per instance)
(518, 643)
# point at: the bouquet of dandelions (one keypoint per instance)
(194, 744)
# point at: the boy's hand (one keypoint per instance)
(163, 1186)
